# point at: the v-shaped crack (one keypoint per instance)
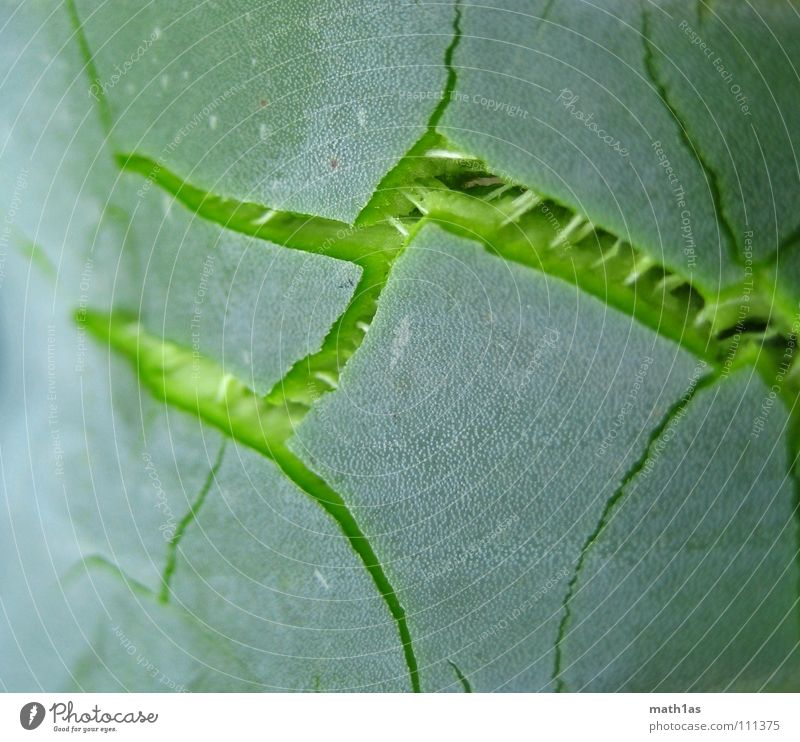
(199, 386)
(373, 249)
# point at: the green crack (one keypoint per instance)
(197, 385)
(302, 383)
(712, 179)
(452, 75)
(544, 16)
(372, 247)
(619, 274)
(435, 183)
(429, 157)
(672, 417)
(185, 522)
(312, 376)
(373, 243)
(458, 192)
(99, 562)
(744, 323)
(515, 223)
(465, 684)
(314, 234)
(522, 227)
(106, 119)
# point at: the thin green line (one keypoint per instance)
(452, 75)
(190, 517)
(675, 412)
(734, 248)
(461, 677)
(103, 108)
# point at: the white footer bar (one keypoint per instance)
(460, 717)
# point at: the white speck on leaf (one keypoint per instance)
(402, 337)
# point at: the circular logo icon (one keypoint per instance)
(32, 715)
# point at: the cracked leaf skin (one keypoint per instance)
(303, 110)
(538, 56)
(692, 581)
(297, 601)
(536, 483)
(244, 302)
(448, 413)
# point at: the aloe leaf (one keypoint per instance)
(253, 306)
(119, 477)
(399, 347)
(136, 642)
